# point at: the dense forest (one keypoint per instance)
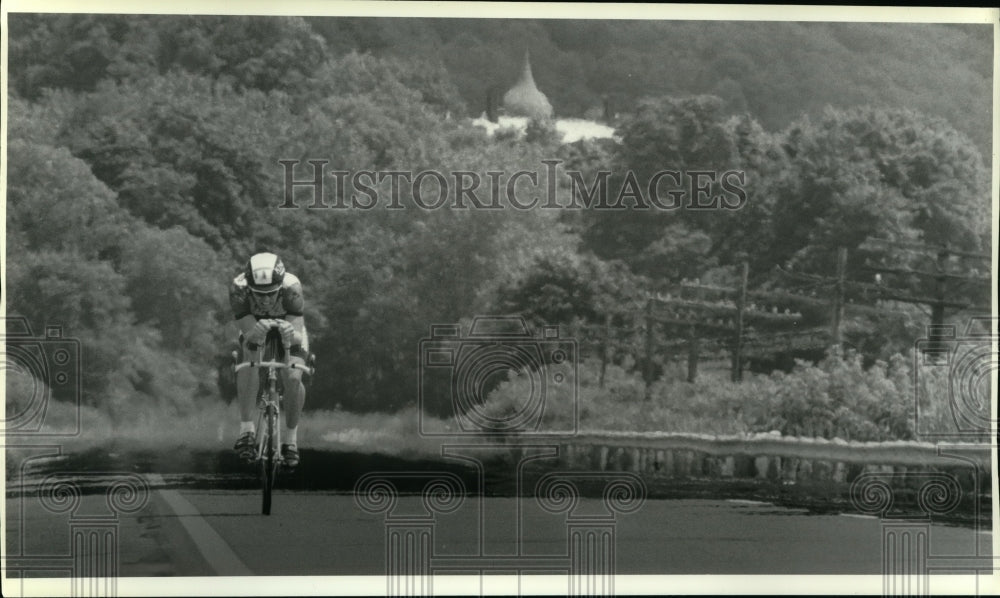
(775, 71)
(143, 169)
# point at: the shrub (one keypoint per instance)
(836, 398)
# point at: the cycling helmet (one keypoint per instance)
(265, 273)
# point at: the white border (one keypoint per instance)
(525, 10)
(464, 585)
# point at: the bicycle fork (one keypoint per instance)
(269, 421)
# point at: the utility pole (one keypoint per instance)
(694, 348)
(606, 353)
(737, 373)
(838, 298)
(648, 365)
(944, 283)
(937, 307)
(724, 319)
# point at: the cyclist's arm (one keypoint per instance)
(239, 302)
(246, 324)
(294, 304)
(299, 323)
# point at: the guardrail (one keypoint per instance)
(767, 456)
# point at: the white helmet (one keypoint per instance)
(265, 273)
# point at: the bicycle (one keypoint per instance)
(272, 356)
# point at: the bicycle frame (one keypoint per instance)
(268, 457)
(270, 399)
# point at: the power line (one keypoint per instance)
(926, 248)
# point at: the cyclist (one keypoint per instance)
(262, 296)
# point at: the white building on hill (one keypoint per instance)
(524, 102)
(572, 129)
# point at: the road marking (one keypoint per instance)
(858, 516)
(213, 548)
(743, 501)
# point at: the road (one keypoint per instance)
(332, 536)
(210, 525)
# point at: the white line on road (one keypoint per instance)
(858, 516)
(213, 548)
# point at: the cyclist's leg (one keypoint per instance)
(295, 391)
(247, 384)
(295, 396)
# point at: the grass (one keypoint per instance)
(834, 399)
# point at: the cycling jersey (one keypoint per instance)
(289, 303)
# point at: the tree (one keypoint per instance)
(864, 173)
(683, 135)
(559, 288)
(174, 281)
(87, 299)
(63, 51)
(886, 174)
(181, 150)
(55, 203)
(80, 51)
(686, 133)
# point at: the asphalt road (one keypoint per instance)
(197, 515)
(327, 534)
(185, 531)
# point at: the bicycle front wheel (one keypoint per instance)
(269, 460)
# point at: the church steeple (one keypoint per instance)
(526, 70)
(524, 98)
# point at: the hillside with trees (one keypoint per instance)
(143, 169)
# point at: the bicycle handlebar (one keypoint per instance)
(280, 365)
